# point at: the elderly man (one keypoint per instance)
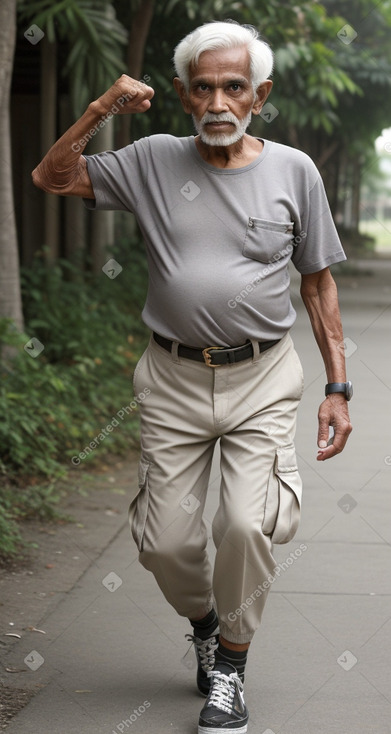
(222, 214)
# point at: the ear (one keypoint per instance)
(182, 94)
(262, 94)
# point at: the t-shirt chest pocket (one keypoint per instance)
(267, 241)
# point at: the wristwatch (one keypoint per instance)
(344, 387)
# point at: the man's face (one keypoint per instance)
(221, 98)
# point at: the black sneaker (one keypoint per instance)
(225, 710)
(205, 654)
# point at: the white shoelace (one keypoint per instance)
(223, 690)
(206, 651)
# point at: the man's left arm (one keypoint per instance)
(320, 297)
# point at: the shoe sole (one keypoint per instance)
(223, 730)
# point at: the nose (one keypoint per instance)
(218, 102)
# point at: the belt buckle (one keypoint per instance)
(208, 358)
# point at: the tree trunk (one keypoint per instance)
(10, 297)
(347, 208)
(141, 23)
(343, 189)
(48, 137)
(336, 186)
(75, 235)
(356, 186)
(102, 222)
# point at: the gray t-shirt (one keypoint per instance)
(219, 241)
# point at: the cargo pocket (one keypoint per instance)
(138, 509)
(283, 499)
(137, 370)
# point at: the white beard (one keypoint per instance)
(222, 139)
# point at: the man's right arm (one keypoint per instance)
(64, 170)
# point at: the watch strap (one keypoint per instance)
(345, 388)
(332, 387)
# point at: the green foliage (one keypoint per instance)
(34, 500)
(17, 503)
(10, 538)
(55, 404)
(308, 78)
(367, 61)
(93, 36)
(332, 98)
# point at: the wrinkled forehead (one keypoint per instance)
(232, 62)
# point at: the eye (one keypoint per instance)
(235, 86)
(202, 87)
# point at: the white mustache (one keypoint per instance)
(222, 117)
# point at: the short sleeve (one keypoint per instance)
(118, 177)
(317, 245)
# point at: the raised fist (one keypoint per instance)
(126, 96)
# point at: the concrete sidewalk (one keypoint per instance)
(111, 660)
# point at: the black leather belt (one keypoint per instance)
(215, 356)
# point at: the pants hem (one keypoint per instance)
(198, 612)
(227, 633)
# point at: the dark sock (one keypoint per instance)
(237, 658)
(204, 628)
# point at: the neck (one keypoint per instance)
(241, 153)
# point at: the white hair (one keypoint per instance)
(220, 34)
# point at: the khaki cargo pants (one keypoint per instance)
(251, 406)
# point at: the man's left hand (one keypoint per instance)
(333, 412)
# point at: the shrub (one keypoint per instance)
(56, 403)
